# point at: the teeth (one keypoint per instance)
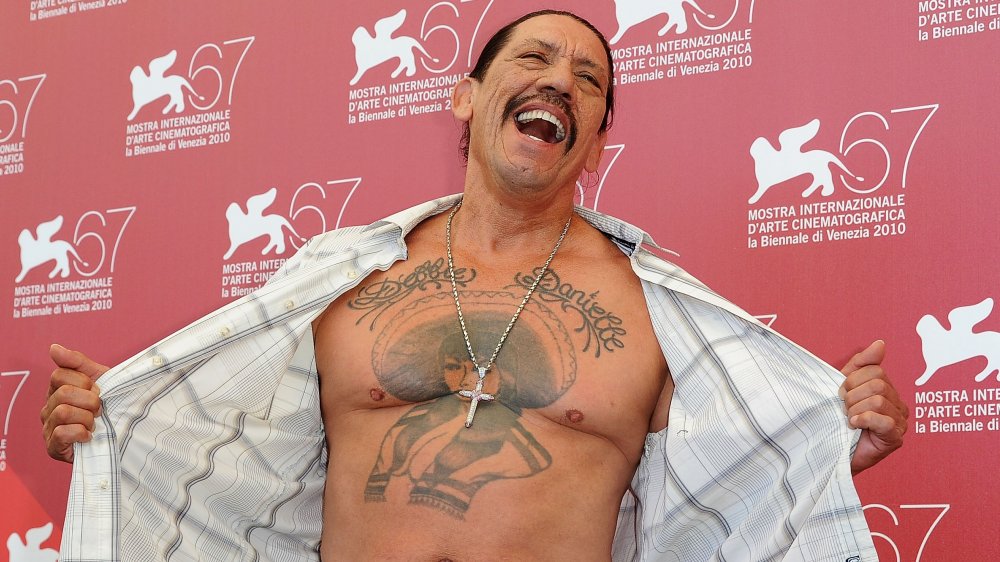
(545, 115)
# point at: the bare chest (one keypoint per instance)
(574, 347)
(574, 379)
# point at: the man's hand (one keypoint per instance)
(73, 401)
(873, 405)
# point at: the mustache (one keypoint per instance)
(550, 99)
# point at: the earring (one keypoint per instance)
(593, 179)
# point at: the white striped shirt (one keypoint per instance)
(211, 446)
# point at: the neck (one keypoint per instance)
(495, 217)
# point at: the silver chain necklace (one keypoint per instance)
(476, 396)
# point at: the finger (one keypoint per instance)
(59, 443)
(76, 361)
(68, 377)
(64, 414)
(882, 427)
(72, 397)
(871, 355)
(865, 376)
(868, 384)
(872, 381)
(878, 405)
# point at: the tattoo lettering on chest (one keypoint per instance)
(420, 356)
(595, 322)
(377, 297)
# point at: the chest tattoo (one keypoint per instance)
(420, 356)
(375, 298)
(596, 322)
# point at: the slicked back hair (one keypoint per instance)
(500, 39)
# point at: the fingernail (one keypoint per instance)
(853, 422)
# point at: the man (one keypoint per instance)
(493, 379)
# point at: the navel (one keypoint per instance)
(574, 416)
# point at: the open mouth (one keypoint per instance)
(540, 125)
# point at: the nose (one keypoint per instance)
(557, 79)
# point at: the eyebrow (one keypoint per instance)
(583, 61)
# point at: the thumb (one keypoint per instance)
(871, 355)
(69, 359)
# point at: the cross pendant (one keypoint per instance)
(476, 396)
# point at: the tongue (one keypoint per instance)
(540, 129)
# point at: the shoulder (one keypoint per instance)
(623, 242)
(393, 227)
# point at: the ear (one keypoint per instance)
(596, 151)
(461, 99)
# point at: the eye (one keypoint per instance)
(534, 56)
(590, 78)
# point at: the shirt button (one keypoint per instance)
(224, 331)
(104, 484)
(157, 360)
(352, 274)
(289, 304)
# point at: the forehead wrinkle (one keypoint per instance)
(537, 43)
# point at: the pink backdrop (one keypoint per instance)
(888, 109)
